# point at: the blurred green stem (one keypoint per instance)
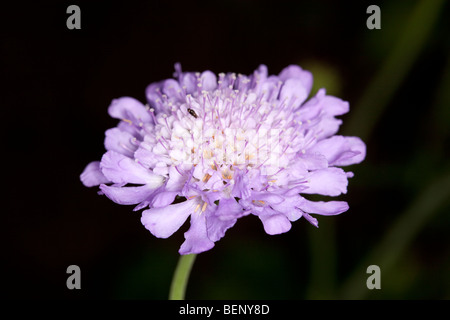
(397, 239)
(362, 122)
(181, 276)
(379, 92)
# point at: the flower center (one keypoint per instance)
(227, 129)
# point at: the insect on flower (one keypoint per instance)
(192, 113)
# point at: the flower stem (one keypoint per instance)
(394, 70)
(401, 233)
(181, 276)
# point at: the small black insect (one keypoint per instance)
(192, 113)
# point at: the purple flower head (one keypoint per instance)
(217, 148)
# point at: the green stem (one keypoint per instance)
(369, 110)
(181, 276)
(400, 235)
(399, 62)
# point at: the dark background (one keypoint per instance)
(57, 85)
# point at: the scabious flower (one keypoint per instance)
(216, 149)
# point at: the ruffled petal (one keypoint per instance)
(163, 199)
(325, 208)
(326, 127)
(222, 218)
(177, 179)
(163, 222)
(321, 103)
(172, 90)
(269, 89)
(311, 220)
(147, 158)
(293, 93)
(356, 154)
(275, 223)
(154, 96)
(127, 195)
(92, 175)
(121, 169)
(289, 207)
(189, 82)
(129, 109)
(228, 208)
(120, 141)
(295, 72)
(261, 73)
(341, 151)
(131, 129)
(269, 197)
(209, 81)
(333, 106)
(196, 237)
(328, 182)
(314, 161)
(241, 188)
(216, 227)
(330, 105)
